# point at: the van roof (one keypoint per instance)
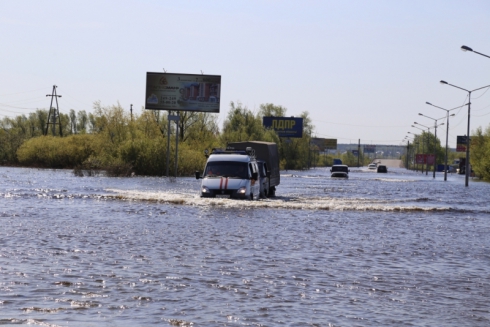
(229, 157)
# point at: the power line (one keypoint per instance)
(15, 107)
(346, 138)
(82, 102)
(377, 126)
(22, 92)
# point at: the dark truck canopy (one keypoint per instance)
(266, 151)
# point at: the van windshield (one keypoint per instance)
(226, 169)
(339, 168)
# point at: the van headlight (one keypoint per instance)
(204, 190)
(242, 190)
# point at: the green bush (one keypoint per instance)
(56, 152)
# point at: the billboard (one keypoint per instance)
(431, 159)
(461, 143)
(324, 144)
(369, 148)
(428, 159)
(183, 92)
(285, 126)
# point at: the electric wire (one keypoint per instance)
(486, 90)
(376, 126)
(8, 94)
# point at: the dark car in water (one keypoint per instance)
(341, 171)
(382, 169)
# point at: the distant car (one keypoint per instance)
(382, 169)
(341, 171)
(372, 166)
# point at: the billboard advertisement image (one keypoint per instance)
(428, 159)
(285, 126)
(461, 143)
(420, 158)
(431, 159)
(324, 144)
(369, 148)
(183, 92)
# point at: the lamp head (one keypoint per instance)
(420, 114)
(452, 115)
(465, 48)
(415, 123)
(428, 103)
(443, 82)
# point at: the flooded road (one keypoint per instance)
(396, 249)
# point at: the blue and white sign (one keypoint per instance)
(285, 126)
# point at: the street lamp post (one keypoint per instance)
(467, 165)
(428, 143)
(406, 138)
(423, 148)
(465, 48)
(413, 151)
(447, 133)
(435, 139)
(410, 151)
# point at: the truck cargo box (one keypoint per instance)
(268, 152)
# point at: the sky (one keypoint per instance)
(363, 70)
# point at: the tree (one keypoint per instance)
(480, 153)
(73, 121)
(296, 151)
(82, 121)
(271, 110)
(240, 125)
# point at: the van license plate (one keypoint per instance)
(223, 196)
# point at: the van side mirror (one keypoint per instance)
(255, 176)
(198, 175)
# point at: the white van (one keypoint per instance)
(230, 174)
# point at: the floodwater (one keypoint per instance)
(395, 249)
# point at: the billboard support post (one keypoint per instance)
(176, 143)
(168, 145)
(175, 118)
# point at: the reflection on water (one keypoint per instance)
(400, 249)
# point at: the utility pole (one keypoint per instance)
(358, 151)
(131, 110)
(54, 113)
(408, 151)
(309, 150)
